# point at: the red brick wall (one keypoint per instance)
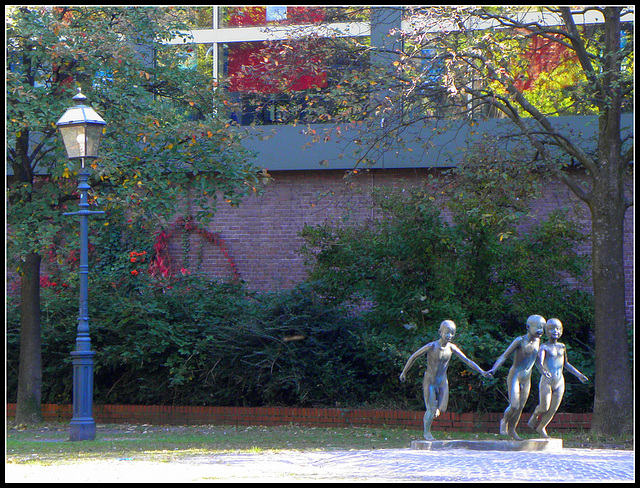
(262, 234)
(320, 417)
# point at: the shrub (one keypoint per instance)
(417, 270)
(202, 343)
(377, 292)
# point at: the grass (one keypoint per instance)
(48, 443)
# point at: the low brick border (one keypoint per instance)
(318, 417)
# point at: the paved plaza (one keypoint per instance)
(384, 465)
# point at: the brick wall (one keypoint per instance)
(319, 417)
(262, 234)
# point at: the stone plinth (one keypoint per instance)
(491, 445)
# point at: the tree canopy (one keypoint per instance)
(162, 135)
(164, 146)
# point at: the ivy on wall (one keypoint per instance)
(161, 263)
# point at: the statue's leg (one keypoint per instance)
(544, 402)
(546, 417)
(443, 397)
(506, 424)
(430, 403)
(517, 406)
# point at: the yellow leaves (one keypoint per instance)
(94, 165)
(66, 173)
(170, 146)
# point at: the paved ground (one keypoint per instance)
(396, 465)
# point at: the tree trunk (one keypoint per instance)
(613, 402)
(28, 408)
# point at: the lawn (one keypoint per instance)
(48, 443)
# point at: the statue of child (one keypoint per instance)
(435, 383)
(553, 359)
(525, 354)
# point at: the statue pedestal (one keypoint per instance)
(492, 445)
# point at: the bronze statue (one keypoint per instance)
(553, 359)
(435, 384)
(525, 354)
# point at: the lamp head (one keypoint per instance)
(81, 129)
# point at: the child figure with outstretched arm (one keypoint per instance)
(553, 358)
(435, 383)
(525, 354)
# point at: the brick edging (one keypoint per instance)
(319, 417)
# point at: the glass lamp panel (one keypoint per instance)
(73, 137)
(81, 141)
(93, 134)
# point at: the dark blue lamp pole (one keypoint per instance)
(81, 129)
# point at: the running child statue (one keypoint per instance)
(435, 383)
(525, 354)
(553, 359)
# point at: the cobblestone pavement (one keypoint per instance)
(391, 465)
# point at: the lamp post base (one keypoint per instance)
(83, 427)
(82, 430)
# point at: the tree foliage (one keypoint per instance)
(164, 146)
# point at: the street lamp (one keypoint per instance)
(81, 129)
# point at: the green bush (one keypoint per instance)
(416, 269)
(202, 343)
(377, 292)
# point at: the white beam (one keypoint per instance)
(250, 34)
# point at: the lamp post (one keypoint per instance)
(81, 130)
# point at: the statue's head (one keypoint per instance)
(447, 330)
(535, 325)
(553, 328)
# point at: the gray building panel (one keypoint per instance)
(286, 147)
(426, 146)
